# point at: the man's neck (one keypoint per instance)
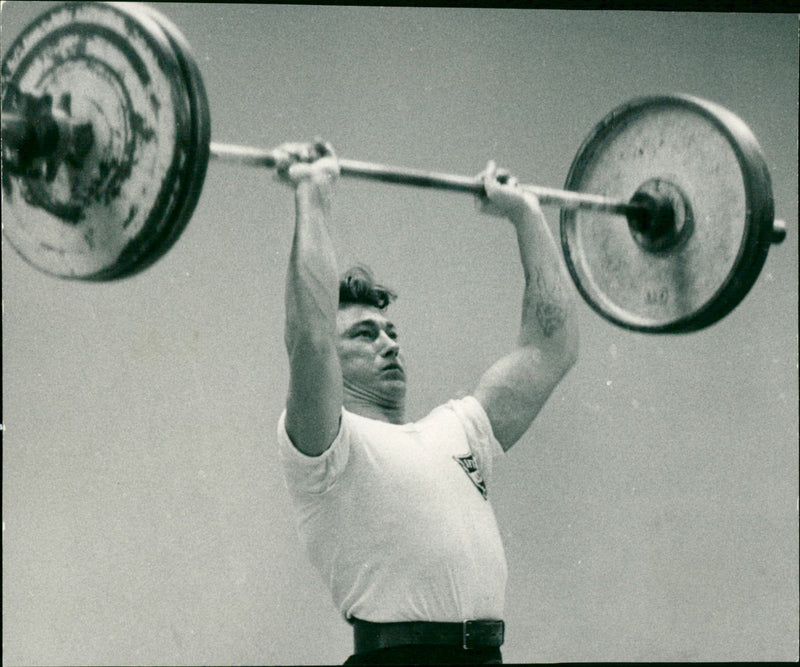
(392, 413)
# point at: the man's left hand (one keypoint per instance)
(503, 197)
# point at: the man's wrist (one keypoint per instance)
(525, 214)
(310, 194)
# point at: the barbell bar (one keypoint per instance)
(16, 129)
(258, 157)
(106, 140)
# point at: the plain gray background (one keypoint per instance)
(649, 514)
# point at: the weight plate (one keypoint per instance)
(707, 162)
(193, 175)
(97, 220)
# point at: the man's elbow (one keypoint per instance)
(305, 341)
(572, 347)
(564, 355)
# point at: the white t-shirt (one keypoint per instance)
(396, 519)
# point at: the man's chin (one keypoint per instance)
(395, 386)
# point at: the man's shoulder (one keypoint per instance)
(462, 407)
(468, 416)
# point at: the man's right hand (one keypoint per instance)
(313, 162)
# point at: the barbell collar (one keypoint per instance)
(778, 232)
(16, 129)
(38, 137)
(48, 135)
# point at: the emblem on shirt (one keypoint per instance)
(470, 466)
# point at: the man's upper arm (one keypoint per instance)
(314, 403)
(514, 390)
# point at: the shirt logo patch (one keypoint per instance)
(469, 465)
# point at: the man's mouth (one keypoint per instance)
(393, 367)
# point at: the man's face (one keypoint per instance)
(369, 354)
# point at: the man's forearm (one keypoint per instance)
(548, 306)
(312, 277)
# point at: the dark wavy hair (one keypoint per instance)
(357, 285)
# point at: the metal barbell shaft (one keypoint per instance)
(566, 199)
(15, 127)
(258, 157)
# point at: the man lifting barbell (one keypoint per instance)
(395, 515)
(106, 139)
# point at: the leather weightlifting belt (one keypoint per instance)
(467, 634)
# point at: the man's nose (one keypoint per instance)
(389, 346)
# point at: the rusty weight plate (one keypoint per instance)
(193, 175)
(119, 73)
(710, 165)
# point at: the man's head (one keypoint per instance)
(369, 354)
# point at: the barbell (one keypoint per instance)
(666, 217)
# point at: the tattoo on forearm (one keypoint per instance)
(548, 304)
(551, 317)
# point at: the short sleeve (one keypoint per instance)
(478, 429)
(313, 474)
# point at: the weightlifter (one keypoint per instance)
(396, 515)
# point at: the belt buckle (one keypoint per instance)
(465, 635)
(477, 634)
